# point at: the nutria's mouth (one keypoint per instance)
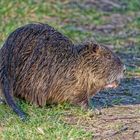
(114, 84)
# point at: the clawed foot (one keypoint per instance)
(88, 105)
(97, 111)
(85, 105)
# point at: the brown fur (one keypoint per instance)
(43, 66)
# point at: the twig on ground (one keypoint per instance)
(121, 118)
(134, 133)
(117, 132)
(111, 3)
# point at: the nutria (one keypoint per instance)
(42, 66)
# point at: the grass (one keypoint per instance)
(77, 21)
(44, 123)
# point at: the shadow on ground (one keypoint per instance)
(126, 94)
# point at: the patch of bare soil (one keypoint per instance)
(114, 24)
(121, 122)
(103, 5)
(117, 123)
(106, 5)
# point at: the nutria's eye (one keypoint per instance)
(108, 56)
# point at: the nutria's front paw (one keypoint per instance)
(86, 106)
(97, 111)
(83, 104)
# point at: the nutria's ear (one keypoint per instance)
(95, 48)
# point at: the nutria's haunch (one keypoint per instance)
(42, 66)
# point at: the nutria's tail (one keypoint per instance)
(7, 73)
(7, 91)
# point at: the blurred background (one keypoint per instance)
(115, 23)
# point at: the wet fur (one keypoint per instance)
(42, 66)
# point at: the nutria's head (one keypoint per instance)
(104, 68)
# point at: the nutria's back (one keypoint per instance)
(43, 66)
